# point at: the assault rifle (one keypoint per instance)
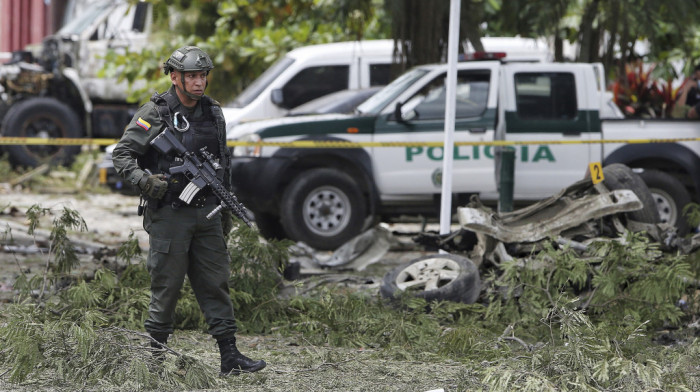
(200, 173)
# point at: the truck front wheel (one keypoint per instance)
(41, 118)
(323, 208)
(670, 197)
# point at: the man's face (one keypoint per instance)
(195, 81)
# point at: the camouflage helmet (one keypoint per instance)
(187, 59)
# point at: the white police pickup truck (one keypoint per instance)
(325, 196)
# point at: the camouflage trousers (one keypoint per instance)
(183, 242)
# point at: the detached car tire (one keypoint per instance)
(442, 277)
(670, 196)
(323, 208)
(45, 118)
(618, 176)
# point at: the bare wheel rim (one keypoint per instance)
(668, 212)
(327, 211)
(428, 274)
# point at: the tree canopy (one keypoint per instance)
(607, 31)
(244, 37)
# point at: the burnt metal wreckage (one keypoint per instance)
(576, 217)
(579, 215)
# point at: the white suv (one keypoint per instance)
(310, 72)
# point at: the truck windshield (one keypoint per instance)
(85, 19)
(378, 101)
(264, 80)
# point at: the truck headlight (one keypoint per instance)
(247, 150)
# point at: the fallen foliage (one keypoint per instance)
(557, 322)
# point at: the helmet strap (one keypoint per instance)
(184, 89)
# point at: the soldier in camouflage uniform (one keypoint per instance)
(182, 240)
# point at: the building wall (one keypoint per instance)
(24, 22)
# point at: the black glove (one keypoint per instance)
(226, 222)
(153, 186)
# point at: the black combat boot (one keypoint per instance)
(233, 362)
(157, 347)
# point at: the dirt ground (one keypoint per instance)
(109, 218)
(293, 365)
(296, 367)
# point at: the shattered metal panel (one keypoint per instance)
(541, 222)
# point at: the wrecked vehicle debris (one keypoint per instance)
(356, 254)
(578, 215)
(528, 225)
(435, 277)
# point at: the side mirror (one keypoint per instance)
(398, 114)
(277, 97)
(402, 117)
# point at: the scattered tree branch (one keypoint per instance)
(331, 364)
(146, 336)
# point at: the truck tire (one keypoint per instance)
(3, 111)
(670, 196)
(618, 176)
(323, 208)
(269, 226)
(443, 277)
(45, 118)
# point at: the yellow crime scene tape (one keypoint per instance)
(55, 141)
(345, 144)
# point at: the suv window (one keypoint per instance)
(379, 74)
(472, 96)
(256, 88)
(377, 102)
(314, 82)
(545, 95)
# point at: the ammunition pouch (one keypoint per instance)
(203, 199)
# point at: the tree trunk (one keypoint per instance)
(586, 32)
(613, 23)
(420, 30)
(470, 17)
(558, 47)
(624, 43)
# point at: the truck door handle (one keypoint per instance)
(572, 133)
(477, 130)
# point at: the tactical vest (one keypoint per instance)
(205, 131)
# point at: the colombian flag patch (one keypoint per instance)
(143, 124)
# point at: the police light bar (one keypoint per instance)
(482, 56)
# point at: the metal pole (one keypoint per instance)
(450, 102)
(507, 180)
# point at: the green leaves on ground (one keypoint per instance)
(556, 321)
(628, 276)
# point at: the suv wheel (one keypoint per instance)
(324, 208)
(670, 196)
